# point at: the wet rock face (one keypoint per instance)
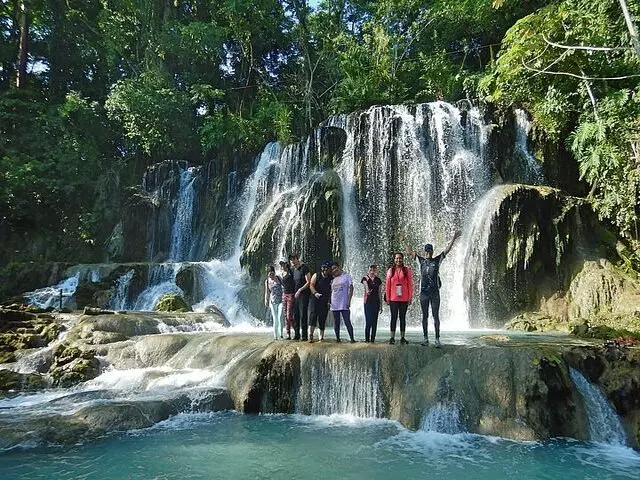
(112, 415)
(20, 382)
(314, 233)
(24, 328)
(274, 388)
(522, 393)
(72, 365)
(171, 303)
(538, 239)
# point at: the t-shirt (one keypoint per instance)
(275, 289)
(340, 292)
(429, 270)
(288, 283)
(374, 286)
(299, 277)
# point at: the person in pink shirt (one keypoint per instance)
(398, 295)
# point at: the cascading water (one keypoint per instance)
(604, 423)
(340, 386)
(181, 233)
(443, 418)
(60, 295)
(161, 282)
(530, 170)
(121, 294)
(414, 174)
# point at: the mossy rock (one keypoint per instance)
(7, 356)
(72, 365)
(172, 303)
(13, 381)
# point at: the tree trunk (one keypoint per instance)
(21, 77)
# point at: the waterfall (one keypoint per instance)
(604, 423)
(340, 385)
(443, 418)
(161, 281)
(531, 172)
(121, 294)
(472, 262)
(181, 232)
(52, 296)
(412, 171)
(223, 278)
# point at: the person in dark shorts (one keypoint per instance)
(430, 286)
(372, 304)
(302, 278)
(320, 287)
(288, 291)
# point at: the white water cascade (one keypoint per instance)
(530, 169)
(57, 295)
(604, 423)
(443, 418)
(181, 233)
(420, 170)
(340, 386)
(121, 294)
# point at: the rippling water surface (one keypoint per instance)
(234, 446)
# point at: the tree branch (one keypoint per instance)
(580, 77)
(583, 47)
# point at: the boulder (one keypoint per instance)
(171, 303)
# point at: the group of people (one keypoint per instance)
(300, 301)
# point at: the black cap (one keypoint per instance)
(428, 247)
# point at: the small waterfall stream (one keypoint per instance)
(604, 423)
(443, 418)
(341, 385)
(181, 232)
(57, 295)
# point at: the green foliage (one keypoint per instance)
(155, 115)
(114, 85)
(592, 93)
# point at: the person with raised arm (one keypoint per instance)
(430, 285)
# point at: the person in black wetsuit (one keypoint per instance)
(302, 278)
(430, 286)
(372, 304)
(320, 287)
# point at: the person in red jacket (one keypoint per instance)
(398, 295)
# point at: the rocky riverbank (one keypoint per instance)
(511, 385)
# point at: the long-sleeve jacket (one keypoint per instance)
(399, 285)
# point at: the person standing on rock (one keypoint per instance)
(430, 286)
(273, 293)
(341, 294)
(398, 294)
(320, 287)
(302, 279)
(372, 304)
(288, 291)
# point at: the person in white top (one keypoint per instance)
(341, 294)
